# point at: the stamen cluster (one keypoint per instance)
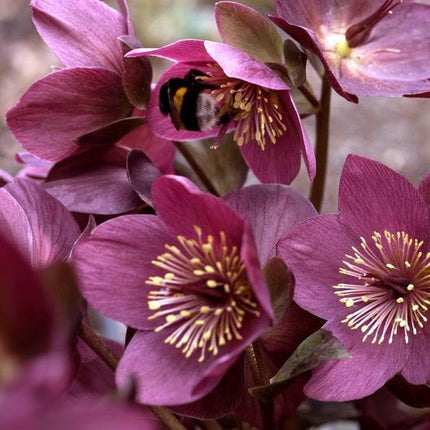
(256, 109)
(204, 294)
(392, 287)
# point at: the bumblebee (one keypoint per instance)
(189, 103)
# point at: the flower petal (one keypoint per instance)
(141, 174)
(370, 366)
(390, 64)
(238, 64)
(424, 189)
(221, 400)
(82, 33)
(283, 157)
(417, 367)
(63, 106)
(114, 262)
(137, 74)
(314, 251)
(41, 225)
(94, 182)
(175, 195)
(309, 40)
(273, 211)
(186, 51)
(165, 376)
(372, 197)
(246, 29)
(110, 133)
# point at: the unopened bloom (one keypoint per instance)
(367, 272)
(240, 91)
(188, 280)
(369, 48)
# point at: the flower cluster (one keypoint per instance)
(234, 300)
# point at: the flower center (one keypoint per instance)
(204, 294)
(256, 109)
(391, 290)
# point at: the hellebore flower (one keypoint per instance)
(366, 271)
(237, 90)
(188, 280)
(369, 48)
(96, 101)
(38, 224)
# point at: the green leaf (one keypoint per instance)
(248, 30)
(316, 349)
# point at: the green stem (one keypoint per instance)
(321, 148)
(99, 347)
(196, 167)
(255, 355)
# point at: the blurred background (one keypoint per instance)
(395, 132)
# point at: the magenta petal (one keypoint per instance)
(417, 368)
(93, 378)
(283, 157)
(114, 263)
(82, 33)
(372, 197)
(110, 133)
(238, 64)
(250, 258)
(394, 65)
(64, 105)
(175, 195)
(26, 314)
(309, 40)
(141, 174)
(41, 225)
(93, 182)
(273, 211)
(187, 51)
(165, 376)
(221, 400)
(137, 74)
(323, 255)
(296, 130)
(424, 189)
(370, 366)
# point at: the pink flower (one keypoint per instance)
(369, 48)
(241, 92)
(366, 271)
(189, 281)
